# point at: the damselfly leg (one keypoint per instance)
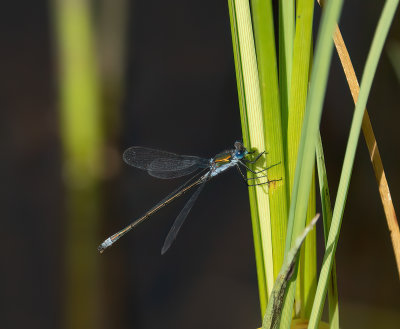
(246, 179)
(267, 182)
(256, 159)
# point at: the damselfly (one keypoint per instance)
(166, 165)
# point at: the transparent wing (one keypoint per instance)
(180, 220)
(163, 164)
(172, 174)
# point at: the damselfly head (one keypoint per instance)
(240, 150)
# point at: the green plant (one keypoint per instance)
(284, 120)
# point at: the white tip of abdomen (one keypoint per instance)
(108, 242)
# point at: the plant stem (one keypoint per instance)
(82, 139)
(253, 135)
(268, 73)
(369, 72)
(306, 153)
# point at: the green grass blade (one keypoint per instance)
(370, 68)
(307, 273)
(82, 140)
(297, 103)
(268, 74)
(299, 83)
(272, 317)
(286, 36)
(261, 276)
(306, 153)
(253, 133)
(327, 219)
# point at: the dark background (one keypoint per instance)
(180, 95)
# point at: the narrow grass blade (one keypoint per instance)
(306, 153)
(297, 103)
(253, 134)
(299, 83)
(307, 273)
(82, 140)
(286, 36)
(370, 68)
(327, 219)
(275, 304)
(372, 145)
(262, 283)
(268, 74)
